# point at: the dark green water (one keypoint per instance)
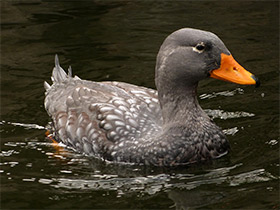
(115, 40)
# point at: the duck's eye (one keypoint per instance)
(200, 47)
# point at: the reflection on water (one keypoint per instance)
(79, 173)
(108, 40)
(27, 126)
(227, 115)
(184, 200)
(162, 182)
(222, 93)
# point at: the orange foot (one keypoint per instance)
(50, 136)
(59, 149)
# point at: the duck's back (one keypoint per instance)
(95, 117)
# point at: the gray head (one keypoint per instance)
(187, 56)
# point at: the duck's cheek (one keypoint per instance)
(232, 71)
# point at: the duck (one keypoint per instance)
(125, 123)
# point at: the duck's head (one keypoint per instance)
(190, 55)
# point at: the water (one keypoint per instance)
(114, 40)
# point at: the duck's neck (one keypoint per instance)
(180, 105)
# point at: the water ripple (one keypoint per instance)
(230, 131)
(224, 115)
(8, 153)
(27, 126)
(226, 93)
(258, 175)
(162, 182)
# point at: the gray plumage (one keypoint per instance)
(122, 122)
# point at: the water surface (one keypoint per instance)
(115, 40)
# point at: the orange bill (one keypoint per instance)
(232, 71)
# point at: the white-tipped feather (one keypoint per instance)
(58, 74)
(70, 71)
(76, 77)
(46, 85)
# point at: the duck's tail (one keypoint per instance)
(58, 74)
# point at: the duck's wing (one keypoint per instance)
(94, 117)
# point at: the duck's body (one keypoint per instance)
(126, 123)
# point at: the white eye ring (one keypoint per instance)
(200, 47)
